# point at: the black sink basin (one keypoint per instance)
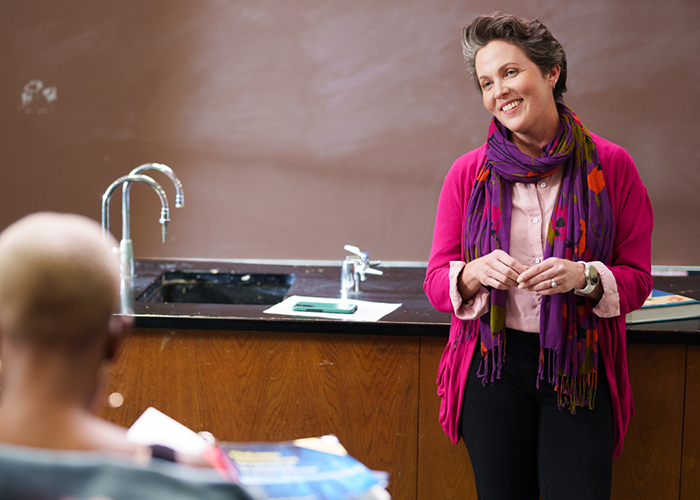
(211, 287)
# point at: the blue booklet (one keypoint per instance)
(665, 306)
(318, 468)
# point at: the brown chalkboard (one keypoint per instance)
(300, 126)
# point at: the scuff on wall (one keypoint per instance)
(38, 98)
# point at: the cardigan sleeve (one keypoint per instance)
(631, 266)
(449, 228)
(631, 256)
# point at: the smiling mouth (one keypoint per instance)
(511, 105)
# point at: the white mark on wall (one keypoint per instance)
(37, 97)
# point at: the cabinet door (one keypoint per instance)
(690, 472)
(650, 464)
(444, 469)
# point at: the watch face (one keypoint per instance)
(593, 272)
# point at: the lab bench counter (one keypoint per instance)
(245, 375)
(415, 317)
(398, 284)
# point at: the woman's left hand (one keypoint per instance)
(552, 276)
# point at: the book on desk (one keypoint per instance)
(665, 306)
(315, 467)
(310, 468)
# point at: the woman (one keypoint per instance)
(542, 244)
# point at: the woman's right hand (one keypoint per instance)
(496, 269)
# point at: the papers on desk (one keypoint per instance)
(316, 467)
(366, 311)
(155, 427)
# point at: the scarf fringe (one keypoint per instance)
(572, 392)
(468, 330)
(552, 367)
(492, 361)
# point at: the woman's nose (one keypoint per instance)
(500, 90)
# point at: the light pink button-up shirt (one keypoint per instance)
(533, 204)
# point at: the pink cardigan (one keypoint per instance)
(630, 265)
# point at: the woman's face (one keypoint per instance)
(517, 93)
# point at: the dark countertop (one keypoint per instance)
(415, 317)
(399, 283)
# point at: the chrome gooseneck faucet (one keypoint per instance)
(355, 269)
(126, 251)
(179, 191)
(126, 204)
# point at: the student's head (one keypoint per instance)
(59, 281)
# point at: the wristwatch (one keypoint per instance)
(592, 279)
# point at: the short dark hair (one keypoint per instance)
(532, 37)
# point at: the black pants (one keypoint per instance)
(522, 446)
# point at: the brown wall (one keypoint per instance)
(297, 127)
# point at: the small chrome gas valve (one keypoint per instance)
(355, 268)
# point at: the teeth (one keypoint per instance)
(510, 106)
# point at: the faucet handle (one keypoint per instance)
(364, 256)
(371, 270)
(354, 250)
(362, 269)
(364, 261)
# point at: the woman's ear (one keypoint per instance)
(553, 75)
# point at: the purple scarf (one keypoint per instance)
(581, 228)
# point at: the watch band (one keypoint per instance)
(592, 279)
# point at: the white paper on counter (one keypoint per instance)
(366, 311)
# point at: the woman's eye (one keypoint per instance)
(485, 85)
(511, 72)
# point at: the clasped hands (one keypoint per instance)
(501, 271)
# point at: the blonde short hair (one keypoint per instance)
(59, 280)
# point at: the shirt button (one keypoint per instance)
(537, 260)
(536, 220)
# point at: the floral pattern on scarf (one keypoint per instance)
(581, 229)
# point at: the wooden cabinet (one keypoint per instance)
(690, 464)
(444, 469)
(244, 386)
(378, 395)
(650, 464)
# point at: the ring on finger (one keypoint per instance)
(554, 283)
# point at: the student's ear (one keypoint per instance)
(119, 325)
